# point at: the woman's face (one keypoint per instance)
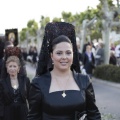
(88, 48)
(62, 56)
(12, 68)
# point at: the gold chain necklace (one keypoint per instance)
(63, 93)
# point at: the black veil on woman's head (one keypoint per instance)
(53, 30)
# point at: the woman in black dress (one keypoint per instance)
(14, 87)
(88, 61)
(59, 91)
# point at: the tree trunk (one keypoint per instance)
(106, 23)
(86, 24)
(106, 47)
(83, 36)
(118, 3)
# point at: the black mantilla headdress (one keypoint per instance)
(13, 51)
(53, 30)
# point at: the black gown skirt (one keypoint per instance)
(17, 110)
(57, 107)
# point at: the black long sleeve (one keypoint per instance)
(92, 110)
(34, 102)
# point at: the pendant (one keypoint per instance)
(64, 94)
(15, 86)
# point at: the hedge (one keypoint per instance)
(108, 72)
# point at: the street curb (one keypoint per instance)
(117, 85)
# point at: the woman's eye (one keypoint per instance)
(68, 53)
(59, 53)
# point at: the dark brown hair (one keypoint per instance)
(59, 39)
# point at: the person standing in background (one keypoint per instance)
(89, 61)
(117, 53)
(99, 56)
(112, 59)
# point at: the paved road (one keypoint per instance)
(107, 96)
(30, 70)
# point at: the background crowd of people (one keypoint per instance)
(31, 55)
(92, 55)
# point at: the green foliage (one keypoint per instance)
(108, 72)
(32, 26)
(95, 34)
(23, 34)
(90, 13)
(110, 3)
(117, 42)
(77, 19)
(95, 30)
(44, 21)
(56, 19)
(68, 17)
(99, 7)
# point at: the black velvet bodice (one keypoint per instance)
(53, 106)
(17, 98)
(56, 105)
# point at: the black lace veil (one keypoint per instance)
(53, 30)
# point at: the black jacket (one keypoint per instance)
(88, 65)
(43, 104)
(6, 97)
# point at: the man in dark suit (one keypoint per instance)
(99, 57)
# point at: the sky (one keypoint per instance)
(16, 13)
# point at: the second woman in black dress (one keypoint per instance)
(14, 87)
